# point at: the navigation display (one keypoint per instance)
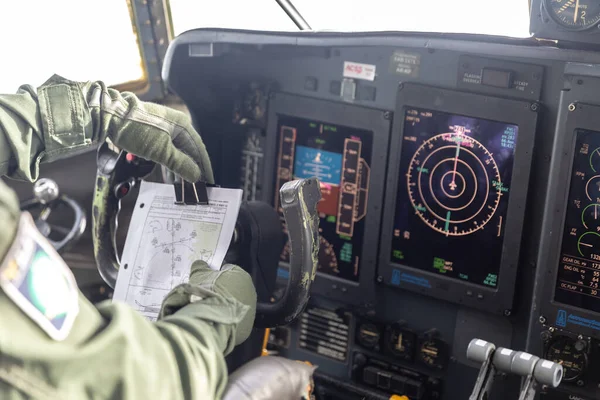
(452, 199)
(579, 269)
(340, 157)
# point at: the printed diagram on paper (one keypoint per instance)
(164, 240)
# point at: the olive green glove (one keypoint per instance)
(205, 296)
(9, 215)
(64, 118)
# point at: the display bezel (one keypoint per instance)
(498, 300)
(376, 121)
(580, 116)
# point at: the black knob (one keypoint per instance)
(359, 361)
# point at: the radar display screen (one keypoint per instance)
(339, 157)
(578, 275)
(452, 199)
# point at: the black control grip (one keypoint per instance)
(105, 207)
(299, 200)
(117, 174)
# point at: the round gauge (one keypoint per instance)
(285, 254)
(454, 183)
(400, 342)
(368, 335)
(590, 217)
(432, 352)
(595, 160)
(564, 352)
(588, 245)
(576, 15)
(327, 258)
(592, 188)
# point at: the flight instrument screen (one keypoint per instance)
(452, 199)
(339, 156)
(579, 269)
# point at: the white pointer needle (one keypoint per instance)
(453, 183)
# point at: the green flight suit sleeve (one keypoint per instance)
(63, 118)
(113, 352)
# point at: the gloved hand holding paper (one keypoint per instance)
(164, 239)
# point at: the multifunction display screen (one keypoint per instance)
(339, 156)
(452, 199)
(579, 265)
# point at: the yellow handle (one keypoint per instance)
(265, 342)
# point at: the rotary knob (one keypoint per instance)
(45, 190)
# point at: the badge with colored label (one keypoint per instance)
(39, 282)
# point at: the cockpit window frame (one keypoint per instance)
(138, 86)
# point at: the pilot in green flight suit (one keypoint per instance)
(110, 352)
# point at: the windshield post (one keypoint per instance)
(294, 14)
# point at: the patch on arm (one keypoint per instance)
(39, 282)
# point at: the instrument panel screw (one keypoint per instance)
(379, 279)
(580, 337)
(580, 383)
(572, 107)
(387, 115)
(545, 336)
(542, 319)
(507, 313)
(534, 107)
(400, 86)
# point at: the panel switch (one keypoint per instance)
(383, 380)
(496, 78)
(370, 375)
(414, 389)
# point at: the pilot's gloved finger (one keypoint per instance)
(161, 149)
(185, 146)
(165, 136)
(9, 215)
(233, 282)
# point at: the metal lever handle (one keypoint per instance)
(299, 200)
(536, 371)
(482, 352)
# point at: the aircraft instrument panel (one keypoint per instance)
(457, 184)
(460, 177)
(453, 191)
(339, 157)
(578, 277)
